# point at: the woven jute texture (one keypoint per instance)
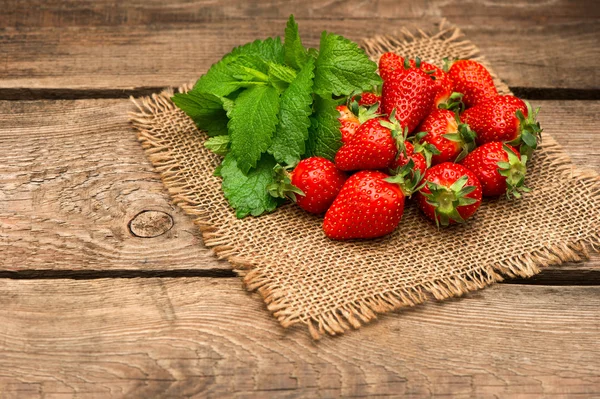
(335, 286)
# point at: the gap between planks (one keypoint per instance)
(32, 94)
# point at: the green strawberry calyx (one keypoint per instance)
(398, 133)
(427, 149)
(409, 179)
(453, 103)
(514, 171)
(362, 113)
(447, 200)
(282, 186)
(464, 136)
(530, 131)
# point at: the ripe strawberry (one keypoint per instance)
(373, 146)
(444, 87)
(452, 139)
(389, 64)
(352, 115)
(349, 122)
(473, 80)
(368, 99)
(505, 118)
(367, 207)
(410, 91)
(452, 193)
(499, 168)
(313, 184)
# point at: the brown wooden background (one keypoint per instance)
(100, 298)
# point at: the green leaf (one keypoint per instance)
(281, 76)
(343, 68)
(206, 110)
(295, 53)
(219, 145)
(324, 136)
(247, 192)
(294, 118)
(228, 75)
(252, 123)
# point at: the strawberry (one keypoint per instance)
(349, 122)
(391, 63)
(368, 99)
(505, 118)
(452, 193)
(367, 207)
(444, 87)
(313, 184)
(410, 91)
(452, 139)
(499, 168)
(472, 80)
(373, 146)
(352, 115)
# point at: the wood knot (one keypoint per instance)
(148, 224)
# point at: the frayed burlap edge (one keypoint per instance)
(353, 315)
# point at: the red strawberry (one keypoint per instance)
(368, 99)
(353, 115)
(499, 168)
(410, 92)
(389, 64)
(452, 193)
(373, 146)
(507, 119)
(313, 184)
(473, 80)
(453, 140)
(349, 122)
(444, 87)
(367, 207)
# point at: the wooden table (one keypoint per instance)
(101, 298)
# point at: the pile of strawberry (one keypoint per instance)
(445, 135)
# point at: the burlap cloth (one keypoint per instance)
(332, 286)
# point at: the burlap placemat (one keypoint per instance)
(333, 286)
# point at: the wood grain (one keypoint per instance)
(72, 177)
(75, 176)
(141, 56)
(209, 338)
(75, 13)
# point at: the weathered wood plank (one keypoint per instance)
(141, 56)
(208, 338)
(73, 177)
(72, 13)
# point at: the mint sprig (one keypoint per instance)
(268, 103)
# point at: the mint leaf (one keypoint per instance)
(324, 136)
(281, 76)
(294, 118)
(268, 50)
(247, 193)
(295, 53)
(218, 144)
(252, 123)
(343, 68)
(206, 110)
(227, 75)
